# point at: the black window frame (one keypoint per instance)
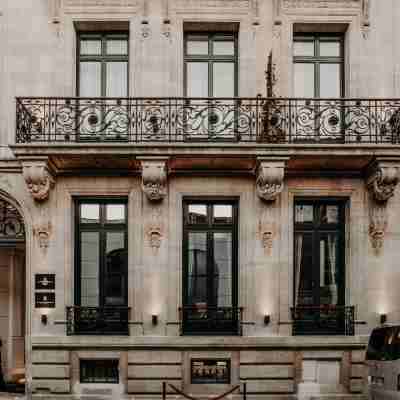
(210, 58)
(103, 228)
(317, 230)
(211, 228)
(90, 365)
(103, 58)
(317, 59)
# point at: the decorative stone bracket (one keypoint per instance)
(38, 178)
(154, 178)
(269, 178)
(382, 179)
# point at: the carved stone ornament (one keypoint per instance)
(377, 226)
(155, 231)
(38, 180)
(269, 180)
(382, 181)
(43, 232)
(154, 179)
(267, 233)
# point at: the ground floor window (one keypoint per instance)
(210, 294)
(319, 261)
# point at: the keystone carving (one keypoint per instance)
(269, 180)
(38, 180)
(43, 232)
(154, 179)
(382, 182)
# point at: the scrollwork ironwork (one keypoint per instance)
(11, 222)
(211, 119)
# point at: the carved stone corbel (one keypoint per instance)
(38, 178)
(382, 179)
(154, 178)
(269, 178)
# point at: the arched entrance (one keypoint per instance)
(12, 298)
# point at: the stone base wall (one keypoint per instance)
(296, 370)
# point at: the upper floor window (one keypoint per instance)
(210, 64)
(102, 64)
(318, 65)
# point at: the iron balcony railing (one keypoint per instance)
(211, 320)
(97, 320)
(265, 120)
(323, 320)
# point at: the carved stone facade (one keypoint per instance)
(154, 179)
(38, 179)
(269, 178)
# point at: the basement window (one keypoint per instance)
(99, 371)
(211, 371)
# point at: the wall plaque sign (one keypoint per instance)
(45, 281)
(210, 371)
(45, 300)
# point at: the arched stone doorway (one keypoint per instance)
(12, 297)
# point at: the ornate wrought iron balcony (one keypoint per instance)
(273, 120)
(323, 320)
(209, 320)
(98, 320)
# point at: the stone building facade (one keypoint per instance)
(179, 206)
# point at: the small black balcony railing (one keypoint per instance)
(323, 320)
(273, 120)
(97, 320)
(209, 320)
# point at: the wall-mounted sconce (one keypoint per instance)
(154, 319)
(383, 318)
(267, 319)
(43, 319)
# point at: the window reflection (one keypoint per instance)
(197, 214)
(115, 213)
(222, 214)
(90, 213)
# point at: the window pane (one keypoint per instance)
(117, 79)
(117, 47)
(223, 79)
(304, 213)
(303, 80)
(303, 269)
(222, 296)
(90, 79)
(224, 48)
(90, 213)
(222, 214)
(328, 262)
(329, 214)
(90, 269)
(330, 80)
(197, 47)
(197, 269)
(197, 214)
(303, 49)
(197, 79)
(90, 47)
(116, 259)
(115, 213)
(329, 49)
